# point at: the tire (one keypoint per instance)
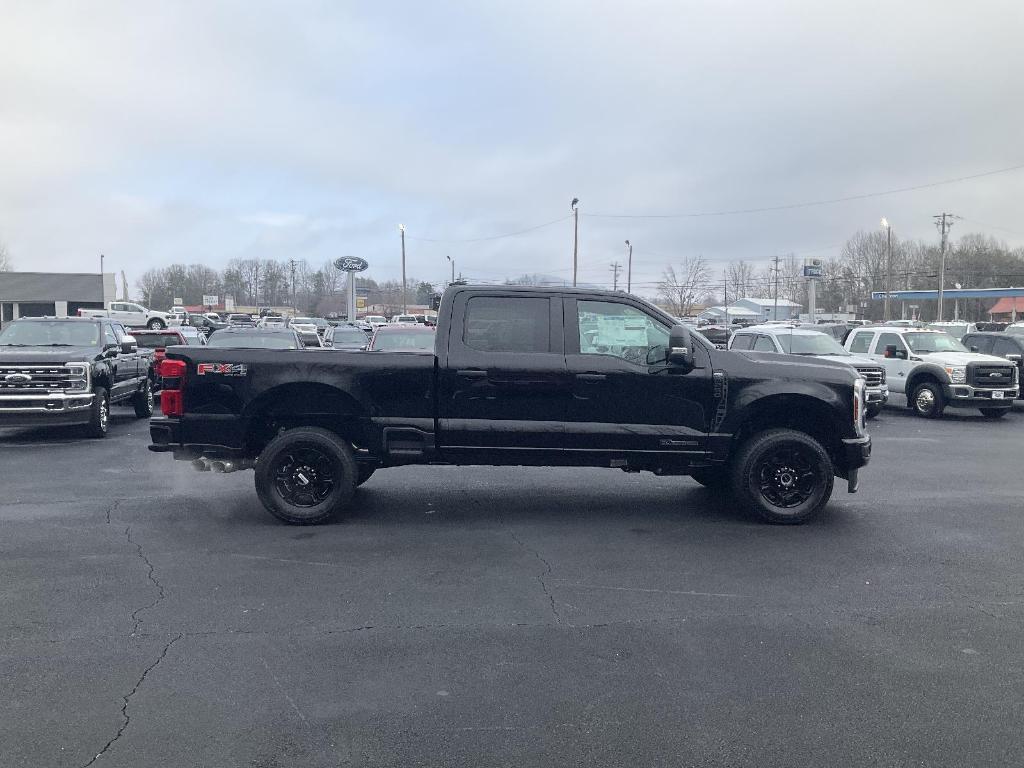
(872, 411)
(143, 401)
(928, 401)
(365, 473)
(783, 476)
(715, 478)
(99, 414)
(994, 413)
(306, 475)
(156, 324)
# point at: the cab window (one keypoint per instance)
(742, 341)
(889, 339)
(1004, 347)
(118, 307)
(508, 324)
(983, 343)
(861, 342)
(108, 336)
(764, 344)
(619, 330)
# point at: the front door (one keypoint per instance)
(503, 385)
(626, 398)
(896, 368)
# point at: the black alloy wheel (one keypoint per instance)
(306, 475)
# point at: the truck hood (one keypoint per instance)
(46, 355)
(961, 358)
(801, 366)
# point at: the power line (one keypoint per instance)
(808, 204)
(490, 237)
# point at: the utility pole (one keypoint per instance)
(615, 275)
(943, 221)
(629, 268)
(256, 288)
(293, 263)
(775, 315)
(101, 264)
(888, 267)
(405, 308)
(575, 237)
(453, 267)
(725, 297)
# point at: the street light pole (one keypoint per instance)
(101, 264)
(888, 266)
(405, 308)
(453, 268)
(629, 268)
(575, 237)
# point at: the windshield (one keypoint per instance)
(253, 341)
(157, 340)
(1015, 330)
(349, 334)
(810, 344)
(302, 321)
(409, 341)
(50, 333)
(924, 343)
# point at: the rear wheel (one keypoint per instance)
(143, 401)
(99, 413)
(156, 324)
(927, 400)
(783, 476)
(306, 475)
(994, 413)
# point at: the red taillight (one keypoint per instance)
(173, 374)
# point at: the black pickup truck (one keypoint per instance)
(59, 371)
(520, 376)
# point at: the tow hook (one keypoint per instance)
(852, 481)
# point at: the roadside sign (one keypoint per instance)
(351, 264)
(178, 301)
(360, 302)
(209, 300)
(814, 268)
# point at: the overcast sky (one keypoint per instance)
(202, 131)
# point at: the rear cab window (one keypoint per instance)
(507, 324)
(861, 342)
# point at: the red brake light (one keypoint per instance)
(173, 374)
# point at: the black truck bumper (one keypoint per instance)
(857, 453)
(211, 436)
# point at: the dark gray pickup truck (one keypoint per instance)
(57, 371)
(521, 376)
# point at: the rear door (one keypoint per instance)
(505, 387)
(626, 398)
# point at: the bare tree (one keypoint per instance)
(6, 262)
(740, 279)
(680, 289)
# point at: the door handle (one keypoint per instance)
(471, 373)
(590, 377)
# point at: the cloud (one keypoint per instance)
(205, 131)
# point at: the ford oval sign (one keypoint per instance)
(351, 264)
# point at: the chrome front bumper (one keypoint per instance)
(40, 409)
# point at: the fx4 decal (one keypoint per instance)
(225, 369)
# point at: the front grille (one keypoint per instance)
(42, 378)
(873, 377)
(990, 375)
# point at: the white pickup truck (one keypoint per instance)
(130, 315)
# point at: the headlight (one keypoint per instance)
(78, 380)
(957, 374)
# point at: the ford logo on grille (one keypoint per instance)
(993, 375)
(17, 378)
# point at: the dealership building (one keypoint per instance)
(60, 294)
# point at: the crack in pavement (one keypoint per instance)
(151, 576)
(539, 576)
(124, 707)
(113, 508)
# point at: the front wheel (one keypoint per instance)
(872, 411)
(156, 324)
(306, 475)
(783, 476)
(928, 401)
(99, 413)
(143, 401)
(994, 413)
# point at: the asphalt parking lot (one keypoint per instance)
(155, 616)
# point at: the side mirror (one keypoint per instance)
(680, 347)
(128, 344)
(901, 354)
